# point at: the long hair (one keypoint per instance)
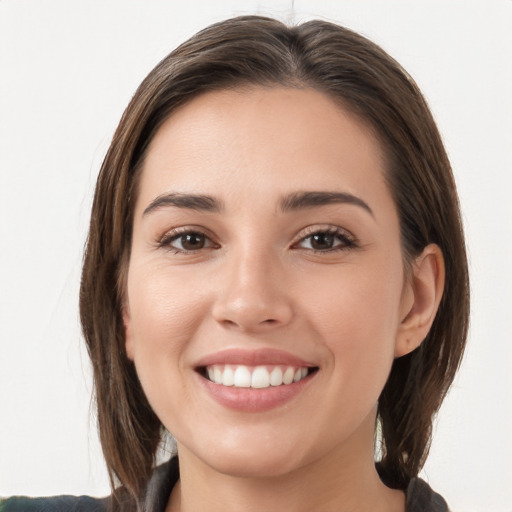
(359, 75)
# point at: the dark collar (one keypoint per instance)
(160, 486)
(420, 497)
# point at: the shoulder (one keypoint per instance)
(155, 499)
(53, 504)
(421, 498)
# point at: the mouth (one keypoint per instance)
(255, 377)
(251, 381)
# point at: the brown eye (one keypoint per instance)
(192, 241)
(187, 242)
(324, 241)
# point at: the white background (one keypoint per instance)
(67, 70)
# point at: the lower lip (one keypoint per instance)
(254, 400)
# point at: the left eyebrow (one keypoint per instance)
(301, 200)
(190, 201)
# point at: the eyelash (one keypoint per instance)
(166, 241)
(346, 241)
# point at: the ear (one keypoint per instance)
(128, 334)
(420, 299)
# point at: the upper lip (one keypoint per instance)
(253, 358)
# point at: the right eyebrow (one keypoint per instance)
(301, 200)
(191, 201)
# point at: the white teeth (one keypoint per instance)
(228, 376)
(288, 375)
(241, 376)
(260, 378)
(217, 375)
(276, 377)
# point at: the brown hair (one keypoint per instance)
(359, 74)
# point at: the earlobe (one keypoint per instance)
(128, 337)
(422, 299)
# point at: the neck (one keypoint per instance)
(344, 480)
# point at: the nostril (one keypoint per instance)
(252, 314)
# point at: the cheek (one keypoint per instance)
(164, 313)
(357, 313)
(358, 301)
(162, 305)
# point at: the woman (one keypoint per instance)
(275, 271)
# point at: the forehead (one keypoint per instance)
(236, 143)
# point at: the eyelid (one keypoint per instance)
(173, 234)
(349, 240)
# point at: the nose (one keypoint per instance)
(252, 294)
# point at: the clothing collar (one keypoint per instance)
(420, 497)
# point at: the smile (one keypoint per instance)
(256, 377)
(251, 381)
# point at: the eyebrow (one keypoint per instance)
(302, 200)
(197, 202)
(291, 202)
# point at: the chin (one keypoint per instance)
(255, 467)
(254, 458)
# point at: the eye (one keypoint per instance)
(326, 240)
(186, 241)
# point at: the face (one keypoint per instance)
(265, 289)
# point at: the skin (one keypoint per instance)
(257, 283)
